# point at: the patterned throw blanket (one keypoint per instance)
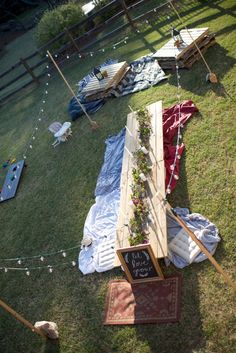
(144, 73)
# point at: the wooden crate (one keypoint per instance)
(156, 183)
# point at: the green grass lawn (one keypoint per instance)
(57, 191)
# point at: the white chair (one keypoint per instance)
(60, 132)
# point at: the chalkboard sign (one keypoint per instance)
(139, 263)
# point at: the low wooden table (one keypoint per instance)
(156, 183)
(187, 53)
(96, 89)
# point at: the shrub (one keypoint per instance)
(54, 22)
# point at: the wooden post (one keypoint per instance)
(29, 70)
(123, 4)
(72, 39)
(93, 123)
(197, 241)
(21, 319)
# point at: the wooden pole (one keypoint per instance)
(197, 241)
(21, 319)
(123, 4)
(212, 75)
(92, 122)
(29, 70)
(72, 39)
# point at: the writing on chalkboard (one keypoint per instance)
(139, 263)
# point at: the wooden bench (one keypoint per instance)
(156, 183)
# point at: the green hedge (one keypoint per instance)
(55, 21)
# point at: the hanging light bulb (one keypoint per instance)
(114, 47)
(24, 157)
(47, 67)
(73, 263)
(91, 54)
(103, 50)
(36, 128)
(47, 83)
(27, 271)
(46, 55)
(46, 92)
(176, 177)
(5, 270)
(19, 262)
(168, 190)
(42, 110)
(39, 119)
(155, 10)
(67, 56)
(63, 253)
(80, 56)
(142, 177)
(50, 269)
(33, 137)
(172, 167)
(49, 75)
(44, 102)
(147, 21)
(138, 31)
(41, 258)
(125, 41)
(30, 146)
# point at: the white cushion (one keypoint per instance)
(184, 246)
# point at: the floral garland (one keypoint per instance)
(138, 225)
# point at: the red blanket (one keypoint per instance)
(171, 122)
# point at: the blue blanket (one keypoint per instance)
(144, 73)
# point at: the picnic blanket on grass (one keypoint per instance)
(101, 221)
(144, 73)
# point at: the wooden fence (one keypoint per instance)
(25, 71)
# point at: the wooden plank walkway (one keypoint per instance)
(156, 183)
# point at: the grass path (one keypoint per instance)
(57, 190)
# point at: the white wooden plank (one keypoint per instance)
(158, 230)
(169, 50)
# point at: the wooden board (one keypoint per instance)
(115, 73)
(140, 264)
(157, 230)
(170, 51)
(12, 181)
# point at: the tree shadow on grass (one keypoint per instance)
(194, 79)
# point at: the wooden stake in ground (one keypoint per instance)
(211, 76)
(21, 319)
(93, 123)
(197, 241)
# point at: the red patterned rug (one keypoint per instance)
(150, 302)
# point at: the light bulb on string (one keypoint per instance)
(138, 31)
(91, 54)
(114, 47)
(103, 50)
(47, 67)
(172, 167)
(41, 258)
(44, 102)
(50, 269)
(176, 177)
(56, 55)
(42, 110)
(49, 75)
(24, 157)
(80, 56)
(5, 270)
(125, 42)
(39, 119)
(178, 156)
(147, 21)
(36, 128)
(33, 137)
(19, 262)
(63, 253)
(27, 271)
(168, 190)
(73, 263)
(67, 56)
(155, 10)
(46, 92)
(47, 83)
(46, 55)
(30, 146)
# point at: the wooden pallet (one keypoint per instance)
(115, 74)
(158, 230)
(187, 54)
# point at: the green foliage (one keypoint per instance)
(55, 21)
